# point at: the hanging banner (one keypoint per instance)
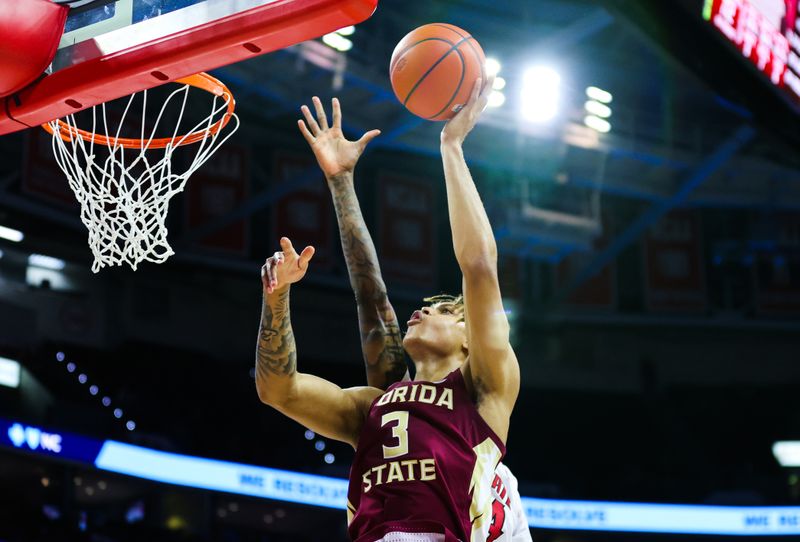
(304, 215)
(407, 230)
(215, 190)
(777, 273)
(598, 292)
(674, 273)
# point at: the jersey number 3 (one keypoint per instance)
(399, 431)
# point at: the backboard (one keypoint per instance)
(113, 48)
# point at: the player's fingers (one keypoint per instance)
(288, 249)
(266, 276)
(312, 124)
(272, 270)
(366, 138)
(321, 118)
(486, 91)
(337, 114)
(476, 90)
(305, 257)
(489, 86)
(306, 133)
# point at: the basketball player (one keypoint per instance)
(381, 342)
(426, 450)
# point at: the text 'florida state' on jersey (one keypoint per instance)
(425, 463)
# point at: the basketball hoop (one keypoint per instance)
(124, 198)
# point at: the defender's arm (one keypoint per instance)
(381, 342)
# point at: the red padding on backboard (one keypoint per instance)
(30, 30)
(268, 28)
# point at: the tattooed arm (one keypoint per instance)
(381, 342)
(319, 405)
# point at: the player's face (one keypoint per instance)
(438, 328)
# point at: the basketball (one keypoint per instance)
(434, 68)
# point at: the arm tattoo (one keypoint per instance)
(276, 353)
(379, 327)
(392, 358)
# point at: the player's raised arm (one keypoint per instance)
(320, 405)
(381, 342)
(492, 364)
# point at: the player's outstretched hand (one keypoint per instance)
(457, 128)
(285, 267)
(334, 152)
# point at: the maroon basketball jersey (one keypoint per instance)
(424, 463)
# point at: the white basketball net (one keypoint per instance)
(124, 195)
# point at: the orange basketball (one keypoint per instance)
(434, 68)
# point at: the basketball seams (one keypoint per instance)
(435, 64)
(478, 57)
(468, 37)
(441, 74)
(463, 73)
(458, 87)
(451, 28)
(396, 57)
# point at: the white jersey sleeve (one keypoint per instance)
(509, 523)
(520, 531)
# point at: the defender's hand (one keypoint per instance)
(458, 127)
(334, 153)
(285, 267)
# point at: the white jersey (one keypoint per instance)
(509, 523)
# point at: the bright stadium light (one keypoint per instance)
(10, 234)
(599, 95)
(337, 41)
(9, 373)
(597, 124)
(46, 262)
(346, 31)
(787, 452)
(597, 109)
(496, 99)
(541, 89)
(492, 66)
(499, 83)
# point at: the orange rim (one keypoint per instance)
(202, 81)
